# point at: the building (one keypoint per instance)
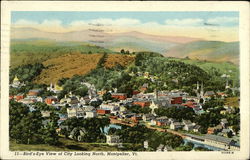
(224, 123)
(33, 92)
(50, 100)
(218, 141)
(112, 140)
(214, 130)
(113, 107)
(162, 121)
(147, 117)
(197, 128)
(142, 103)
(120, 96)
(75, 112)
(90, 114)
(16, 83)
(136, 118)
(19, 96)
(176, 100)
(209, 94)
(155, 104)
(144, 87)
(45, 113)
(188, 125)
(103, 111)
(55, 88)
(176, 125)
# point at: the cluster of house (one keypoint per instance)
(222, 129)
(80, 106)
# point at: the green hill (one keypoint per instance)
(207, 50)
(30, 51)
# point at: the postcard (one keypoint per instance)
(125, 80)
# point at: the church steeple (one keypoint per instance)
(202, 90)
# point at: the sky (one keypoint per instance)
(207, 25)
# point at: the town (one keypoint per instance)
(174, 112)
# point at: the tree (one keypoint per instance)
(122, 51)
(29, 129)
(107, 96)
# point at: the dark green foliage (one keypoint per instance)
(176, 113)
(107, 96)
(201, 149)
(138, 109)
(26, 73)
(94, 128)
(27, 128)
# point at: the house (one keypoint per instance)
(45, 113)
(76, 112)
(176, 125)
(27, 100)
(142, 103)
(225, 132)
(209, 94)
(113, 107)
(190, 104)
(147, 117)
(103, 111)
(51, 100)
(119, 96)
(73, 134)
(188, 125)
(90, 114)
(73, 101)
(214, 130)
(224, 123)
(176, 100)
(144, 87)
(162, 121)
(135, 92)
(162, 148)
(33, 92)
(196, 128)
(136, 118)
(101, 92)
(112, 140)
(19, 96)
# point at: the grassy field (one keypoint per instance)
(66, 145)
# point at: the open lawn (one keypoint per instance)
(66, 145)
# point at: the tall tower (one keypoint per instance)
(202, 90)
(156, 94)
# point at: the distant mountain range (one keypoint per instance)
(136, 41)
(133, 41)
(207, 50)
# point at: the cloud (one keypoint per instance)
(108, 22)
(224, 20)
(25, 22)
(184, 22)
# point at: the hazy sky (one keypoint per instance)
(207, 25)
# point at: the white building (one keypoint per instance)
(112, 140)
